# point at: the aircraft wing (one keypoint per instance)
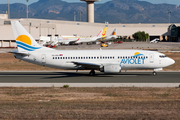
(101, 39)
(108, 38)
(87, 65)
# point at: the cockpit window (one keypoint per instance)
(162, 56)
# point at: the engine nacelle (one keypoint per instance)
(112, 68)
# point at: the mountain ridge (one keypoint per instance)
(115, 11)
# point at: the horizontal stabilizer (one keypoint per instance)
(19, 53)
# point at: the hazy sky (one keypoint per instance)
(176, 2)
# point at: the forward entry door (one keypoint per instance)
(151, 58)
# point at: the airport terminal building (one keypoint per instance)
(44, 27)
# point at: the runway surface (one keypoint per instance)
(79, 79)
(83, 77)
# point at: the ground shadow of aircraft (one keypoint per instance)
(100, 75)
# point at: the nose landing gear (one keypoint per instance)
(154, 73)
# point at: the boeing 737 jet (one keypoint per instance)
(107, 61)
(93, 39)
(112, 36)
(66, 40)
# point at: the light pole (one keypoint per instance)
(169, 16)
(27, 8)
(8, 10)
(80, 13)
(74, 16)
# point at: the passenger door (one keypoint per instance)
(151, 58)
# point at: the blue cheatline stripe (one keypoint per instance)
(28, 46)
(24, 48)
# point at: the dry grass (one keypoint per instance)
(176, 57)
(86, 103)
(90, 103)
(8, 62)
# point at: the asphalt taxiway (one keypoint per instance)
(82, 79)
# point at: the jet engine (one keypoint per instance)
(112, 68)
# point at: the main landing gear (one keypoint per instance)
(154, 73)
(92, 73)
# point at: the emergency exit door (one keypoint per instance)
(43, 59)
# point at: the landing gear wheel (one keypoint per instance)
(154, 73)
(92, 73)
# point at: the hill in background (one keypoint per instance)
(116, 11)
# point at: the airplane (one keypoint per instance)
(66, 40)
(104, 40)
(100, 35)
(106, 61)
(112, 36)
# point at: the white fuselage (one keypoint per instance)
(125, 58)
(108, 38)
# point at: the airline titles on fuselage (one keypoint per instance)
(136, 59)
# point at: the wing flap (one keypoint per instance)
(87, 65)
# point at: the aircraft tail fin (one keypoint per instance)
(104, 32)
(114, 32)
(100, 33)
(25, 42)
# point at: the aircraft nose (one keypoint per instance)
(171, 61)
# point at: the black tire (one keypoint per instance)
(154, 73)
(92, 73)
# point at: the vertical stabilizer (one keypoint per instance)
(104, 32)
(100, 33)
(114, 32)
(25, 42)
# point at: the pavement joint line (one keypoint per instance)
(130, 71)
(52, 75)
(165, 85)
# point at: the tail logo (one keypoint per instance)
(24, 42)
(78, 39)
(99, 33)
(104, 33)
(114, 33)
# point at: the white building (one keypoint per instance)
(43, 27)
